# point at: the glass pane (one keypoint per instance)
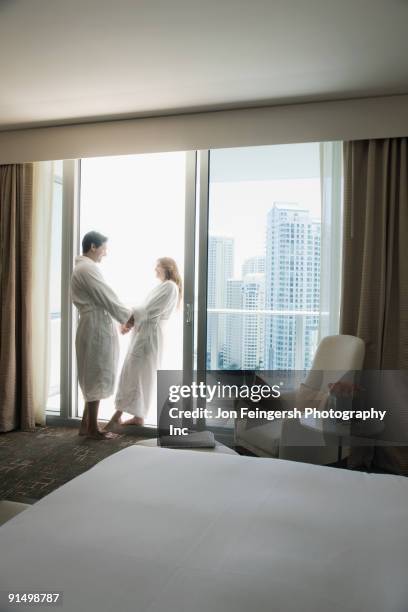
(264, 257)
(53, 404)
(138, 201)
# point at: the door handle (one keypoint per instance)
(189, 314)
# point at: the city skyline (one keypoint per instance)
(285, 278)
(239, 210)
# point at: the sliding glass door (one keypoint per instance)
(139, 202)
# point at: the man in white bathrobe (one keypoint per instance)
(97, 344)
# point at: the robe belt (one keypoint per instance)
(87, 309)
(149, 329)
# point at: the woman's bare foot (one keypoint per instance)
(134, 421)
(110, 425)
(115, 420)
(102, 435)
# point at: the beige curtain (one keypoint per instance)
(375, 268)
(16, 399)
(41, 260)
(375, 263)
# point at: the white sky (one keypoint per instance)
(138, 202)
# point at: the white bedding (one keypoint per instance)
(156, 530)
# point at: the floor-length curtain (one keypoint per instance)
(375, 269)
(331, 157)
(375, 272)
(16, 399)
(41, 260)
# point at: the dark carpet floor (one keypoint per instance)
(32, 464)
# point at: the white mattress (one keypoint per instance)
(156, 530)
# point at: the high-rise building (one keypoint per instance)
(286, 280)
(253, 265)
(220, 269)
(253, 325)
(232, 357)
(292, 283)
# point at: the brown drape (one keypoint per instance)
(16, 197)
(375, 247)
(375, 266)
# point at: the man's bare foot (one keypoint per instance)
(102, 435)
(134, 421)
(83, 429)
(84, 425)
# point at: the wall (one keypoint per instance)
(318, 121)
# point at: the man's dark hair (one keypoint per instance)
(92, 238)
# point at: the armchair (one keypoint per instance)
(335, 356)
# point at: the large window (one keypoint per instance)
(264, 257)
(249, 229)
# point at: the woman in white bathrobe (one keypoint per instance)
(137, 384)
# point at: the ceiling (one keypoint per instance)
(68, 61)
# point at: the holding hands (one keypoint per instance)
(126, 327)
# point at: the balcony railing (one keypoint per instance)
(303, 354)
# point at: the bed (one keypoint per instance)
(159, 530)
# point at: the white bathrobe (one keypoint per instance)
(97, 344)
(137, 384)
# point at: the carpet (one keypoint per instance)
(32, 464)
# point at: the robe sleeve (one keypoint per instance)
(102, 295)
(162, 301)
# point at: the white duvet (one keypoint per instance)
(156, 530)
